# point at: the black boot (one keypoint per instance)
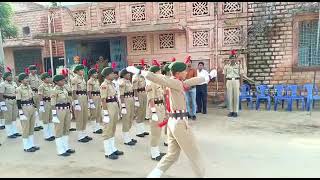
(83, 140)
(146, 133)
(112, 156)
(230, 114)
(64, 154)
(70, 151)
(140, 135)
(98, 131)
(235, 114)
(118, 153)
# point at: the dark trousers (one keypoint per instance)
(202, 95)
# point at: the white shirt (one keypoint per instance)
(203, 73)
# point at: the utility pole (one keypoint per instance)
(1, 53)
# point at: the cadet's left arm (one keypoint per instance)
(195, 81)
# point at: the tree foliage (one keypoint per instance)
(8, 30)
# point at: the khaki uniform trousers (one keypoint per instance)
(110, 128)
(180, 137)
(62, 128)
(141, 110)
(95, 114)
(28, 125)
(155, 129)
(11, 114)
(82, 116)
(128, 118)
(46, 116)
(36, 99)
(233, 92)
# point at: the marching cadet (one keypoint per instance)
(9, 105)
(2, 120)
(110, 113)
(166, 72)
(156, 106)
(79, 93)
(35, 83)
(127, 106)
(44, 92)
(140, 97)
(93, 88)
(179, 132)
(233, 73)
(27, 112)
(61, 115)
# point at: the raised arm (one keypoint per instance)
(162, 80)
(195, 81)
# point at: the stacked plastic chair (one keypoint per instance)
(263, 94)
(245, 94)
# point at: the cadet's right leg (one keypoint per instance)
(230, 97)
(59, 131)
(8, 116)
(127, 122)
(66, 132)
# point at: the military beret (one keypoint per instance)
(92, 71)
(123, 72)
(22, 76)
(32, 67)
(6, 74)
(106, 71)
(177, 66)
(78, 68)
(44, 75)
(139, 67)
(154, 69)
(58, 77)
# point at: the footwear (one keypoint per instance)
(204, 112)
(146, 133)
(131, 143)
(165, 144)
(89, 138)
(98, 131)
(17, 134)
(140, 135)
(52, 138)
(72, 129)
(194, 118)
(12, 136)
(37, 129)
(162, 154)
(111, 156)
(2, 127)
(70, 151)
(29, 150)
(158, 158)
(230, 114)
(147, 119)
(155, 173)
(133, 140)
(40, 127)
(36, 148)
(235, 114)
(114, 149)
(64, 154)
(118, 153)
(84, 140)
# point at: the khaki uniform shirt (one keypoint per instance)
(78, 84)
(34, 81)
(138, 82)
(176, 89)
(45, 90)
(59, 95)
(24, 93)
(93, 85)
(107, 89)
(232, 71)
(125, 86)
(156, 91)
(8, 89)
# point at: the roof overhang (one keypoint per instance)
(17, 43)
(108, 32)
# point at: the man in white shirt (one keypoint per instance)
(202, 89)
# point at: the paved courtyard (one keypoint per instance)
(257, 144)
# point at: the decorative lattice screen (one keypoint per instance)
(166, 41)
(200, 8)
(232, 7)
(139, 43)
(80, 18)
(231, 36)
(308, 53)
(200, 38)
(166, 10)
(109, 16)
(138, 13)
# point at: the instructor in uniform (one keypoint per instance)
(35, 83)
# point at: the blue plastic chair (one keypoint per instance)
(263, 94)
(245, 94)
(293, 89)
(281, 96)
(311, 98)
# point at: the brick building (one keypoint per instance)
(125, 32)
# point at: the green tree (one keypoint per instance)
(8, 30)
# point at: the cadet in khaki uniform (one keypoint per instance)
(93, 87)
(139, 84)
(110, 113)
(44, 91)
(35, 83)
(179, 132)
(61, 115)
(127, 106)
(9, 105)
(156, 106)
(27, 112)
(79, 93)
(233, 73)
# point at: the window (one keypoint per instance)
(166, 41)
(138, 13)
(109, 16)
(200, 38)
(26, 31)
(308, 49)
(80, 18)
(200, 8)
(166, 10)
(232, 7)
(139, 43)
(231, 36)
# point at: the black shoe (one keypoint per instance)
(162, 154)
(2, 127)
(131, 143)
(140, 135)
(147, 119)
(230, 114)
(29, 150)
(204, 112)
(165, 144)
(146, 133)
(37, 129)
(158, 158)
(72, 129)
(84, 140)
(118, 153)
(52, 138)
(89, 138)
(194, 118)
(198, 112)
(235, 114)
(12, 136)
(70, 151)
(36, 148)
(111, 156)
(17, 134)
(64, 154)
(40, 127)
(98, 131)
(133, 140)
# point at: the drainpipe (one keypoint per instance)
(50, 43)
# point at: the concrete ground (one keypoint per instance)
(256, 144)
